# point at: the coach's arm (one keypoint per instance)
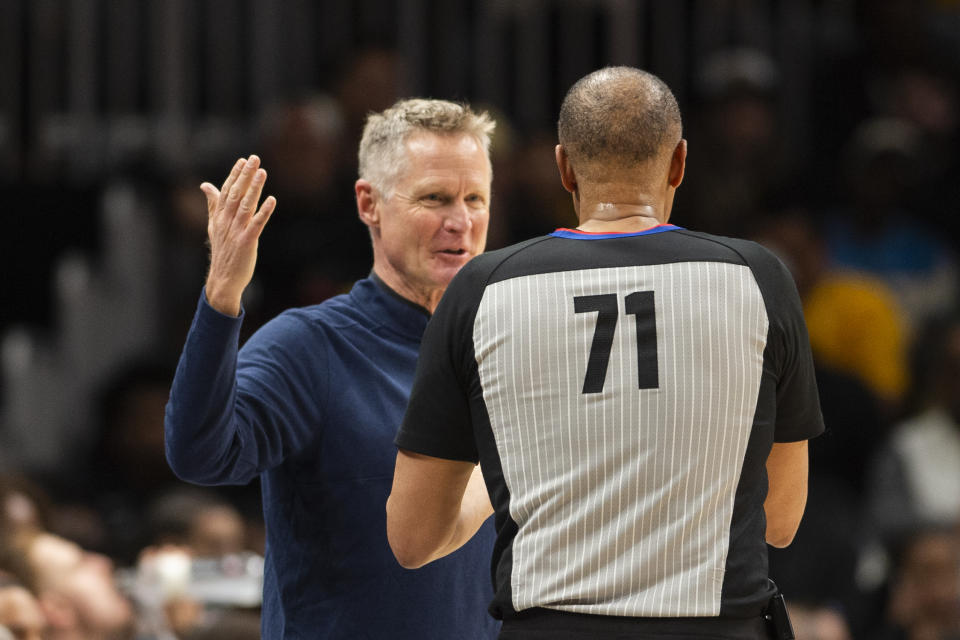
(787, 491)
(435, 507)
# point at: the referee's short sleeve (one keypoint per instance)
(798, 415)
(438, 422)
(798, 401)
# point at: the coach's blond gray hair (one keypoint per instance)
(382, 147)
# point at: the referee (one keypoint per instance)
(638, 395)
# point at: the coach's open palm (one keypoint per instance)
(234, 228)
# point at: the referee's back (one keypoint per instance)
(631, 386)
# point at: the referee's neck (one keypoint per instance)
(617, 217)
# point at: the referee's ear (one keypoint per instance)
(678, 164)
(567, 175)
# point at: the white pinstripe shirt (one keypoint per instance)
(621, 393)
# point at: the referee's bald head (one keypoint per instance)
(618, 117)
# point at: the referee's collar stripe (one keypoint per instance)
(576, 234)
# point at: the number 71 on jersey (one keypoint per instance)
(639, 304)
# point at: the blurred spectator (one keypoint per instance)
(315, 250)
(927, 95)
(529, 200)
(925, 591)
(20, 613)
(880, 232)
(916, 476)
(818, 623)
(851, 75)
(371, 81)
(856, 427)
(198, 520)
(856, 324)
(302, 139)
(23, 505)
(75, 588)
(127, 468)
(159, 588)
(131, 438)
(26, 506)
(736, 157)
(819, 567)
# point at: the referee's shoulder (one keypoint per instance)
(499, 255)
(753, 253)
(483, 265)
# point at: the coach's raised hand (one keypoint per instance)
(234, 226)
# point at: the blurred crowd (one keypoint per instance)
(862, 209)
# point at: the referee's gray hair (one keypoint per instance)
(382, 147)
(618, 114)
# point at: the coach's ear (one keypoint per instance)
(567, 175)
(367, 198)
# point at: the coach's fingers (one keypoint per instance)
(263, 215)
(250, 199)
(240, 186)
(232, 177)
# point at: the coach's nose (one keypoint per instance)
(458, 218)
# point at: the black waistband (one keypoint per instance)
(579, 625)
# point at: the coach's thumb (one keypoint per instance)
(212, 193)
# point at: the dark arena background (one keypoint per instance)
(827, 130)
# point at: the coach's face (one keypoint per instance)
(436, 218)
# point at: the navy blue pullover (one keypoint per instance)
(311, 404)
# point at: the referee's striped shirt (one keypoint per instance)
(622, 392)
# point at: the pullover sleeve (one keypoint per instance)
(233, 414)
